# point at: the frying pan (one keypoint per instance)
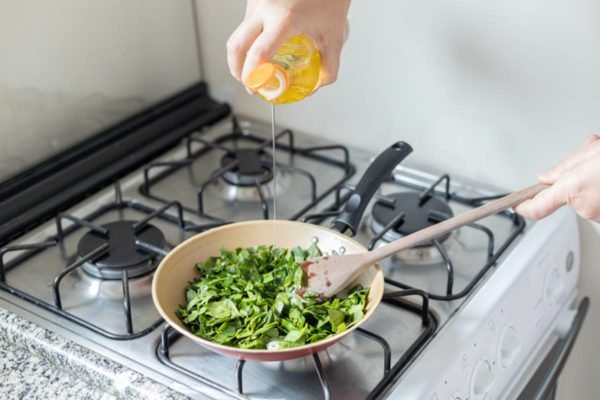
(178, 268)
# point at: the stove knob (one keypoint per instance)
(456, 396)
(553, 286)
(482, 379)
(508, 346)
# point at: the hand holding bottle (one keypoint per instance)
(268, 23)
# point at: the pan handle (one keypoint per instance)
(379, 170)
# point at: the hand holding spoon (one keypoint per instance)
(329, 275)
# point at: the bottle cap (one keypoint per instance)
(268, 79)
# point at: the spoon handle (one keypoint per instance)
(458, 221)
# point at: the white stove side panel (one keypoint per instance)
(480, 351)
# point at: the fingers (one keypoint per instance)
(584, 194)
(575, 181)
(264, 48)
(238, 45)
(251, 6)
(589, 149)
(330, 63)
(566, 164)
(544, 203)
(590, 139)
(275, 21)
(546, 178)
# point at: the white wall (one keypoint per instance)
(492, 91)
(70, 68)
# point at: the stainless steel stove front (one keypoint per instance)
(358, 359)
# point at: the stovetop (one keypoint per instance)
(184, 192)
(241, 151)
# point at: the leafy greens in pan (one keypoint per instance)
(247, 298)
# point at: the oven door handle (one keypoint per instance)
(548, 382)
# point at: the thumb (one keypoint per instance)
(590, 139)
(544, 203)
(570, 162)
(330, 61)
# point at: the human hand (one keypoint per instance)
(575, 181)
(269, 23)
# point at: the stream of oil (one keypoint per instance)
(274, 162)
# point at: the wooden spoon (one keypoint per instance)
(329, 275)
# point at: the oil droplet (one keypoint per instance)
(342, 250)
(315, 239)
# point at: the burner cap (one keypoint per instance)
(416, 215)
(122, 252)
(253, 164)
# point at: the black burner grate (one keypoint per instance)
(433, 216)
(415, 213)
(250, 166)
(247, 164)
(389, 372)
(122, 252)
(98, 249)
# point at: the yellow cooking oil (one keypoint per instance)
(291, 75)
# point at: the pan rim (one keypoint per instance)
(307, 348)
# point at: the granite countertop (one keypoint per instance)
(36, 363)
(27, 376)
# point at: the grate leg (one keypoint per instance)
(322, 377)
(239, 369)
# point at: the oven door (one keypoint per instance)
(542, 385)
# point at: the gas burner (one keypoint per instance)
(122, 253)
(253, 167)
(110, 290)
(236, 193)
(417, 214)
(334, 354)
(252, 173)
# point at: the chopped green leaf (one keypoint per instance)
(246, 298)
(336, 318)
(313, 251)
(222, 309)
(294, 336)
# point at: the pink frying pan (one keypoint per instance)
(178, 268)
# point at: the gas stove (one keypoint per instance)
(86, 272)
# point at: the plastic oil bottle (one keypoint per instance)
(291, 75)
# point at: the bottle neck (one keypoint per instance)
(276, 86)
